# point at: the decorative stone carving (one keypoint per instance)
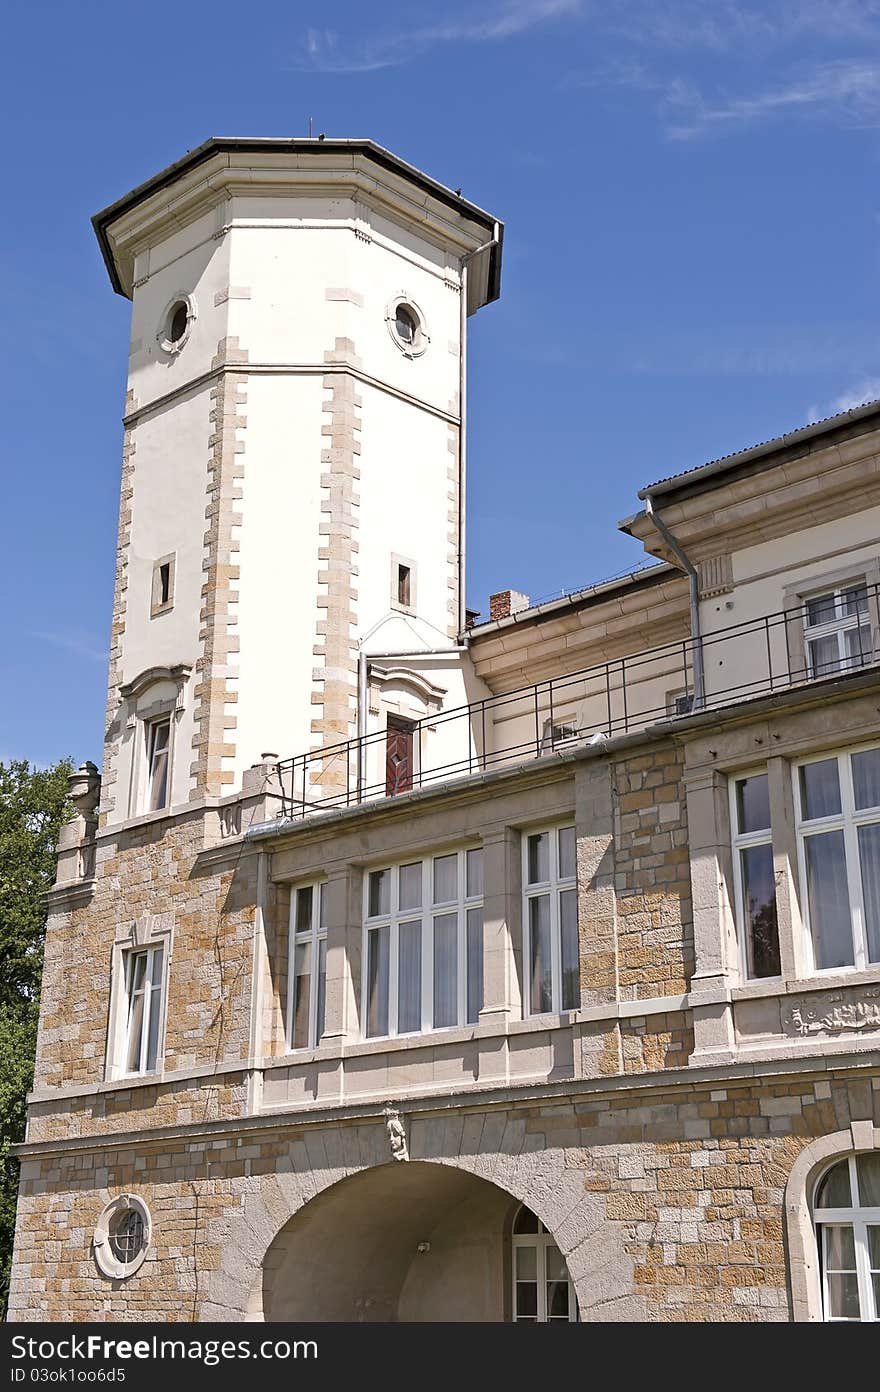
(832, 1011)
(396, 1134)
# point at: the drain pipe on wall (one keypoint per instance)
(462, 426)
(694, 591)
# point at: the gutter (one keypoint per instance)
(694, 598)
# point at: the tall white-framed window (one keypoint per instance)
(552, 960)
(846, 1211)
(837, 630)
(753, 875)
(423, 944)
(307, 967)
(158, 741)
(144, 982)
(837, 797)
(542, 1288)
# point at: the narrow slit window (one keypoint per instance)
(165, 583)
(404, 586)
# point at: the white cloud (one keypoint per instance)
(848, 92)
(866, 390)
(75, 641)
(323, 52)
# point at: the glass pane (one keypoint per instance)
(821, 610)
(322, 989)
(834, 1190)
(153, 1024)
(474, 873)
(299, 1034)
(410, 886)
(868, 1172)
(526, 1222)
(857, 642)
(824, 655)
(540, 968)
(753, 803)
(866, 778)
(557, 1300)
(869, 860)
(527, 1300)
(303, 919)
(759, 901)
(539, 858)
(526, 1263)
(566, 853)
(156, 973)
(820, 789)
(159, 781)
(322, 906)
(135, 1032)
(377, 981)
(445, 970)
(840, 1247)
(380, 892)
(409, 977)
(474, 965)
(855, 600)
(874, 1250)
(843, 1297)
(556, 1265)
(568, 925)
(445, 879)
(829, 900)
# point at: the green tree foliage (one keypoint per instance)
(33, 808)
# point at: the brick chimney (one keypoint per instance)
(505, 603)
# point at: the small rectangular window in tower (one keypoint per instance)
(162, 590)
(158, 752)
(403, 585)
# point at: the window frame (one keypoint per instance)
(158, 605)
(859, 1217)
(129, 957)
(554, 887)
(838, 627)
(150, 727)
(315, 938)
(425, 915)
(848, 820)
(540, 1241)
(742, 841)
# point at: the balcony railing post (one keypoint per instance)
(305, 776)
(769, 650)
(552, 738)
(537, 726)
(623, 692)
(608, 694)
(483, 732)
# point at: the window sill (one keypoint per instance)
(835, 978)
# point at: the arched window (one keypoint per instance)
(846, 1210)
(542, 1288)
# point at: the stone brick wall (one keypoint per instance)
(652, 875)
(154, 868)
(667, 1201)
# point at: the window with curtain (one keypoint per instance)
(837, 630)
(550, 927)
(542, 1288)
(754, 879)
(838, 810)
(307, 967)
(143, 1019)
(846, 1211)
(423, 948)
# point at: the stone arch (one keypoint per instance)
(494, 1145)
(806, 1296)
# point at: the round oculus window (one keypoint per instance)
(178, 319)
(122, 1237)
(405, 325)
(127, 1235)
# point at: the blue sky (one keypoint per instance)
(691, 257)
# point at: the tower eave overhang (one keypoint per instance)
(223, 161)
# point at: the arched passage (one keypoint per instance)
(399, 1242)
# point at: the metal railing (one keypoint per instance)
(749, 659)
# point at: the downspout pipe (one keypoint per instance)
(462, 427)
(694, 594)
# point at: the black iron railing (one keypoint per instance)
(746, 660)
